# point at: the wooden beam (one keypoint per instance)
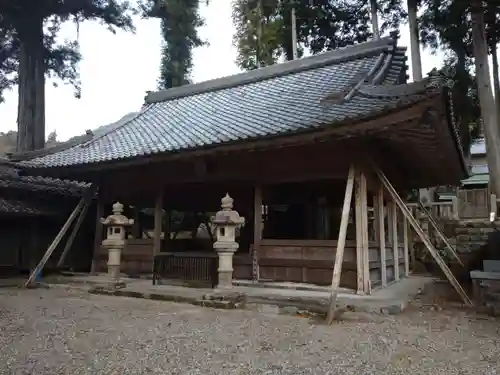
(158, 220)
(257, 232)
(55, 242)
(425, 239)
(381, 234)
(395, 245)
(339, 254)
(74, 232)
(406, 249)
(97, 235)
(364, 233)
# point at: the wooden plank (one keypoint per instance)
(74, 232)
(158, 220)
(425, 239)
(406, 247)
(55, 242)
(257, 232)
(381, 234)
(97, 235)
(359, 240)
(440, 233)
(395, 245)
(364, 232)
(339, 254)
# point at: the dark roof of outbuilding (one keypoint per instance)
(25, 208)
(322, 90)
(11, 179)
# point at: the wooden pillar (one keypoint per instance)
(406, 248)
(363, 281)
(395, 249)
(381, 233)
(257, 232)
(136, 227)
(97, 236)
(158, 221)
(364, 234)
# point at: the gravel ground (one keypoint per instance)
(59, 331)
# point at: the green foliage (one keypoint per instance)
(179, 23)
(60, 59)
(263, 28)
(446, 26)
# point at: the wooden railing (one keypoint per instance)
(470, 204)
(189, 268)
(438, 210)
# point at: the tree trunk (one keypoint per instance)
(486, 100)
(31, 102)
(416, 60)
(496, 78)
(374, 16)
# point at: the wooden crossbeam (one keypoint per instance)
(339, 255)
(440, 233)
(425, 239)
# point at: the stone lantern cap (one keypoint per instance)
(227, 216)
(117, 218)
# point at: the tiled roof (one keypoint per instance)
(10, 178)
(13, 206)
(300, 95)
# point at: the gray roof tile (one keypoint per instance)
(11, 179)
(276, 100)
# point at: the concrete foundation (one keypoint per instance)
(391, 300)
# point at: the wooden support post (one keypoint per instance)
(395, 244)
(381, 234)
(56, 241)
(364, 233)
(158, 221)
(454, 208)
(389, 213)
(257, 232)
(339, 254)
(74, 232)
(425, 239)
(406, 248)
(359, 238)
(493, 205)
(97, 236)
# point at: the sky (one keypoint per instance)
(118, 69)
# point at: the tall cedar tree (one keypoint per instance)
(30, 52)
(446, 26)
(180, 20)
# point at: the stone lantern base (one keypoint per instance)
(225, 251)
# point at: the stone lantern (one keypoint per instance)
(226, 222)
(115, 240)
